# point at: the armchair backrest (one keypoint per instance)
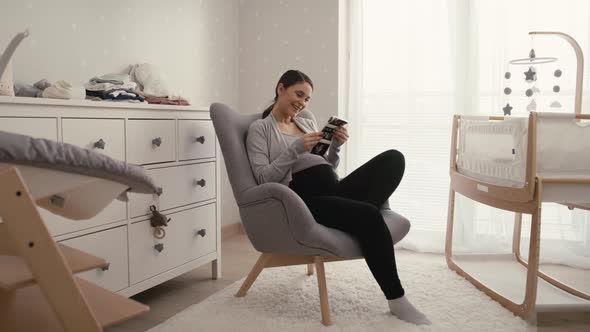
(231, 128)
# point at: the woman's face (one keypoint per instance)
(294, 98)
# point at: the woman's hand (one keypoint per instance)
(310, 140)
(340, 135)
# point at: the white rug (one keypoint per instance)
(286, 299)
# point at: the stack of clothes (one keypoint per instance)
(113, 87)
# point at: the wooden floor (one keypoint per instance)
(238, 256)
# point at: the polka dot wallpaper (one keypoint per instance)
(193, 42)
(286, 34)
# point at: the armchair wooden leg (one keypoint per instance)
(324, 304)
(309, 269)
(256, 269)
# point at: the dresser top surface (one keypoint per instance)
(6, 100)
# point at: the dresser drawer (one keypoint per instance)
(189, 235)
(111, 245)
(57, 225)
(101, 135)
(151, 141)
(181, 185)
(36, 127)
(196, 139)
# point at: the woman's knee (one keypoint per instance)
(394, 157)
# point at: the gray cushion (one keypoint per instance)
(275, 218)
(38, 152)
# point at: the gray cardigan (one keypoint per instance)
(270, 157)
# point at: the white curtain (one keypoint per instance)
(413, 64)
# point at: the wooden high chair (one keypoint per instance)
(38, 291)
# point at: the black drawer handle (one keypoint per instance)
(100, 144)
(157, 141)
(159, 247)
(200, 139)
(106, 267)
(201, 232)
(200, 182)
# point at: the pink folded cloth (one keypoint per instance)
(166, 101)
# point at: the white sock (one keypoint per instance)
(404, 310)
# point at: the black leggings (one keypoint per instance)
(352, 206)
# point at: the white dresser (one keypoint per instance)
(177, 147)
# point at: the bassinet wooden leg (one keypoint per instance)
(449, 234)
(309, 269)
(516, 234)
(30, 238)
(530, 295)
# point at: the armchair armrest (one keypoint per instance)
(274, 215)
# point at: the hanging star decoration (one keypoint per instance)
(530, 75)
(507, 109)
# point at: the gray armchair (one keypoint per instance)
(276, 220)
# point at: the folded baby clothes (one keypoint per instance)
(109, 86)
(111, 78)
(35, 90)
(64, 90)
(25, 90)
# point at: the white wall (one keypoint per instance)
(232, 51)
(287, 34)
(193, 42)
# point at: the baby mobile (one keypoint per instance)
(530, 77)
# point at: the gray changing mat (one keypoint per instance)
(37, 152)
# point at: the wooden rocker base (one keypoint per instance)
(540, 292)
(275, 260)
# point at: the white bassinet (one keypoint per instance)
(495, 151)
(492, 163)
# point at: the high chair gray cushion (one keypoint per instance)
(275, 218)
(38, 152)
